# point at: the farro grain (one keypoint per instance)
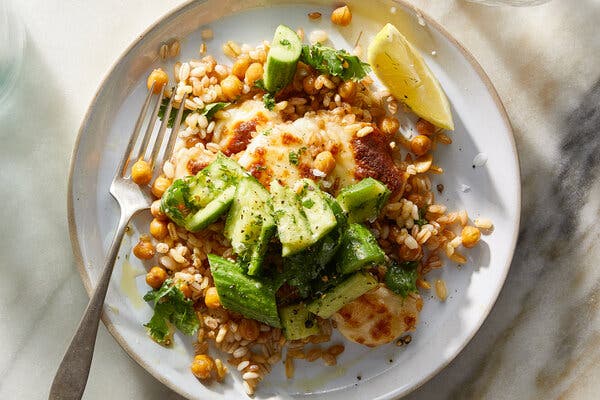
(440, 289)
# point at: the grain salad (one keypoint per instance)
(294, 203)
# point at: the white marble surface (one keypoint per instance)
(542, 339)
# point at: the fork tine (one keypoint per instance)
(173, 134)
(142, 150)
(161, 132)
(123, 164)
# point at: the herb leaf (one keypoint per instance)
(401, 278)
(334, 62)
(269, 101)
(170, 305)
(209, 111)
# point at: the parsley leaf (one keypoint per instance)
(209, 111)
(334, 62)
(259, 83)
(269, 101)
(401, 278)
(422, 220)
(294, 156)
(170, 305)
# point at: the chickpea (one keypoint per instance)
(253, 73)
(156, 277)
(470, 236)
(156, 211)
(341, 16)
(308, 84)
(141, 172)
(159, 78)
(211, 298)
(240, 66)
(425, 127)
(161, 184)
(420, 145)
(185, 289)
(389, 125)
(249, 329)
(347, 90)
(324, 162)
(144, 250)
(158, 229)
(231, 87)
(202, 366)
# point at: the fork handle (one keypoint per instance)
(71, 377)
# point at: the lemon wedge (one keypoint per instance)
(403, 71)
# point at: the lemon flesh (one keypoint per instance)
(403, 71)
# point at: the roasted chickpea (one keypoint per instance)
(159, 78)
(341, 16)
(160, 185)
(389, 125)
(240, 66)
(470, 236)
(202, 366)
(324, 162)
(141, 172)
(249, 329)
(185, 289)
(420, 145)
(156, 211)
(231, 87)
(156, 277)
(211, 298)
(144, 250)
(158, 229)
(425, 127)
(253, 73)
(347, 90)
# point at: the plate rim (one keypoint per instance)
(76, 248)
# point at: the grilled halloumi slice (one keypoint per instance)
(378, 317)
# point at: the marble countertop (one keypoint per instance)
(541, 340)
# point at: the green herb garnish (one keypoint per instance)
(208, 111)
(170, 306)
(269, 101)
(401, 278)
(334, 62)
(294, 156)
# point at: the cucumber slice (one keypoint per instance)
(213, 210)
(364, 200)
(282, 59)
(359, 249)
(319, 214)
(250, 296)
(250, 223)
(342, 294)
(292, 225)
(298, 322)
(218, 175)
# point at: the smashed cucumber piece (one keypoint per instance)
(282, 59)
(364, 200)
(345, 292)
(359, 249)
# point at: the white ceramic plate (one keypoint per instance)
(481, 127)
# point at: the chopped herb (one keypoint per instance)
(334, 62)
(208, 111)
(401, 278)
(422, 220)
(267, 132)
(259, 83)
(294, 156)
(284, 42)
(269, 101)
(308, 203)
(170, 305)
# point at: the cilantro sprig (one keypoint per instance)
(334, 62)
(170, 306)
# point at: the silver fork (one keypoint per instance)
(71, 378)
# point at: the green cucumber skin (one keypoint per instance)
(337, 297)
(359, 249)
(280, 68)
(364, 200)
(250, 296)
(213, 210)
(320, 216)
(298, 322)
(292, 225)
